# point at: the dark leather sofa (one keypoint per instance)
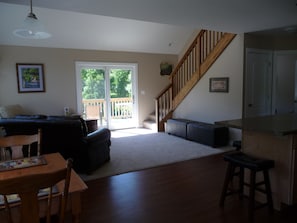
(66, 135)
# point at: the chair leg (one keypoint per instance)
(228, 177)
(268, 190)
(252, 195)
(8, 209)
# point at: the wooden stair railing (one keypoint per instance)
(202, 53)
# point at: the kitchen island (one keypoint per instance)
(273, 137)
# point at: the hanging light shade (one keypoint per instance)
(32, 28)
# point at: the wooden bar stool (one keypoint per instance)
(241, 161)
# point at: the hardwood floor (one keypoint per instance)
(183, 192)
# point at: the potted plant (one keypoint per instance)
(165, 68)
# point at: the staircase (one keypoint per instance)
(202, 53)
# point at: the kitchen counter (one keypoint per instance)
(276, 124)
(273, 137)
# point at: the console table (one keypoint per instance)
(273, 137)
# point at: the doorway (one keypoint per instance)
(107, 93)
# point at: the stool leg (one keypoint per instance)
(252, 195)
(241, 182)
(228, 177)
(268, 190)
(232, 174)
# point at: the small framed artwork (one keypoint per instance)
(219, 84)
(30, 78)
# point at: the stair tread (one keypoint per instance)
(150, 124)
(149, 121)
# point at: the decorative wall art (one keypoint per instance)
(30, 78)
(219, 84)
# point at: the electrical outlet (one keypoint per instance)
(66, 111)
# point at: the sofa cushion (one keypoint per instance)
(30, 117)
(73, 117)
(62, 117)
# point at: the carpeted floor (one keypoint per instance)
(136, 149)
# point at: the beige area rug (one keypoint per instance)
(137, 149)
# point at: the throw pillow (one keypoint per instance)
(73, 117)
(10, 111)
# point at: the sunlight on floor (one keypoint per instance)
(130, 132)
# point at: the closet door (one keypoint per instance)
(258, 83)
(284, 82)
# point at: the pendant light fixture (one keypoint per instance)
(32, 27)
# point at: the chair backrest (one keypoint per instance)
(27, 188)
(22, 140)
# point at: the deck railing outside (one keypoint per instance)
(120, 108)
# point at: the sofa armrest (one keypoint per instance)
(100, 135)
(96, 150)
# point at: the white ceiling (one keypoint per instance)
(153, 26)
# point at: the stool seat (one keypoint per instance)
(247, 161)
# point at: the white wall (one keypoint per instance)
(60, 82)
(202, 105)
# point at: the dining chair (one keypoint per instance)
(28, 187)
(21, 140)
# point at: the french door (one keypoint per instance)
(107, 92)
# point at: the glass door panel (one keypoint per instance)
(94, 95)
(121, 98)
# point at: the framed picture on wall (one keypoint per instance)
(30, 78)
(219, 84)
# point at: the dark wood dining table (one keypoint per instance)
(54, 162)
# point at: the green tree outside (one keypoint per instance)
(93, 86)
(93, 83)
(120, 83)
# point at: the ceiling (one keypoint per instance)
(152, 26)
